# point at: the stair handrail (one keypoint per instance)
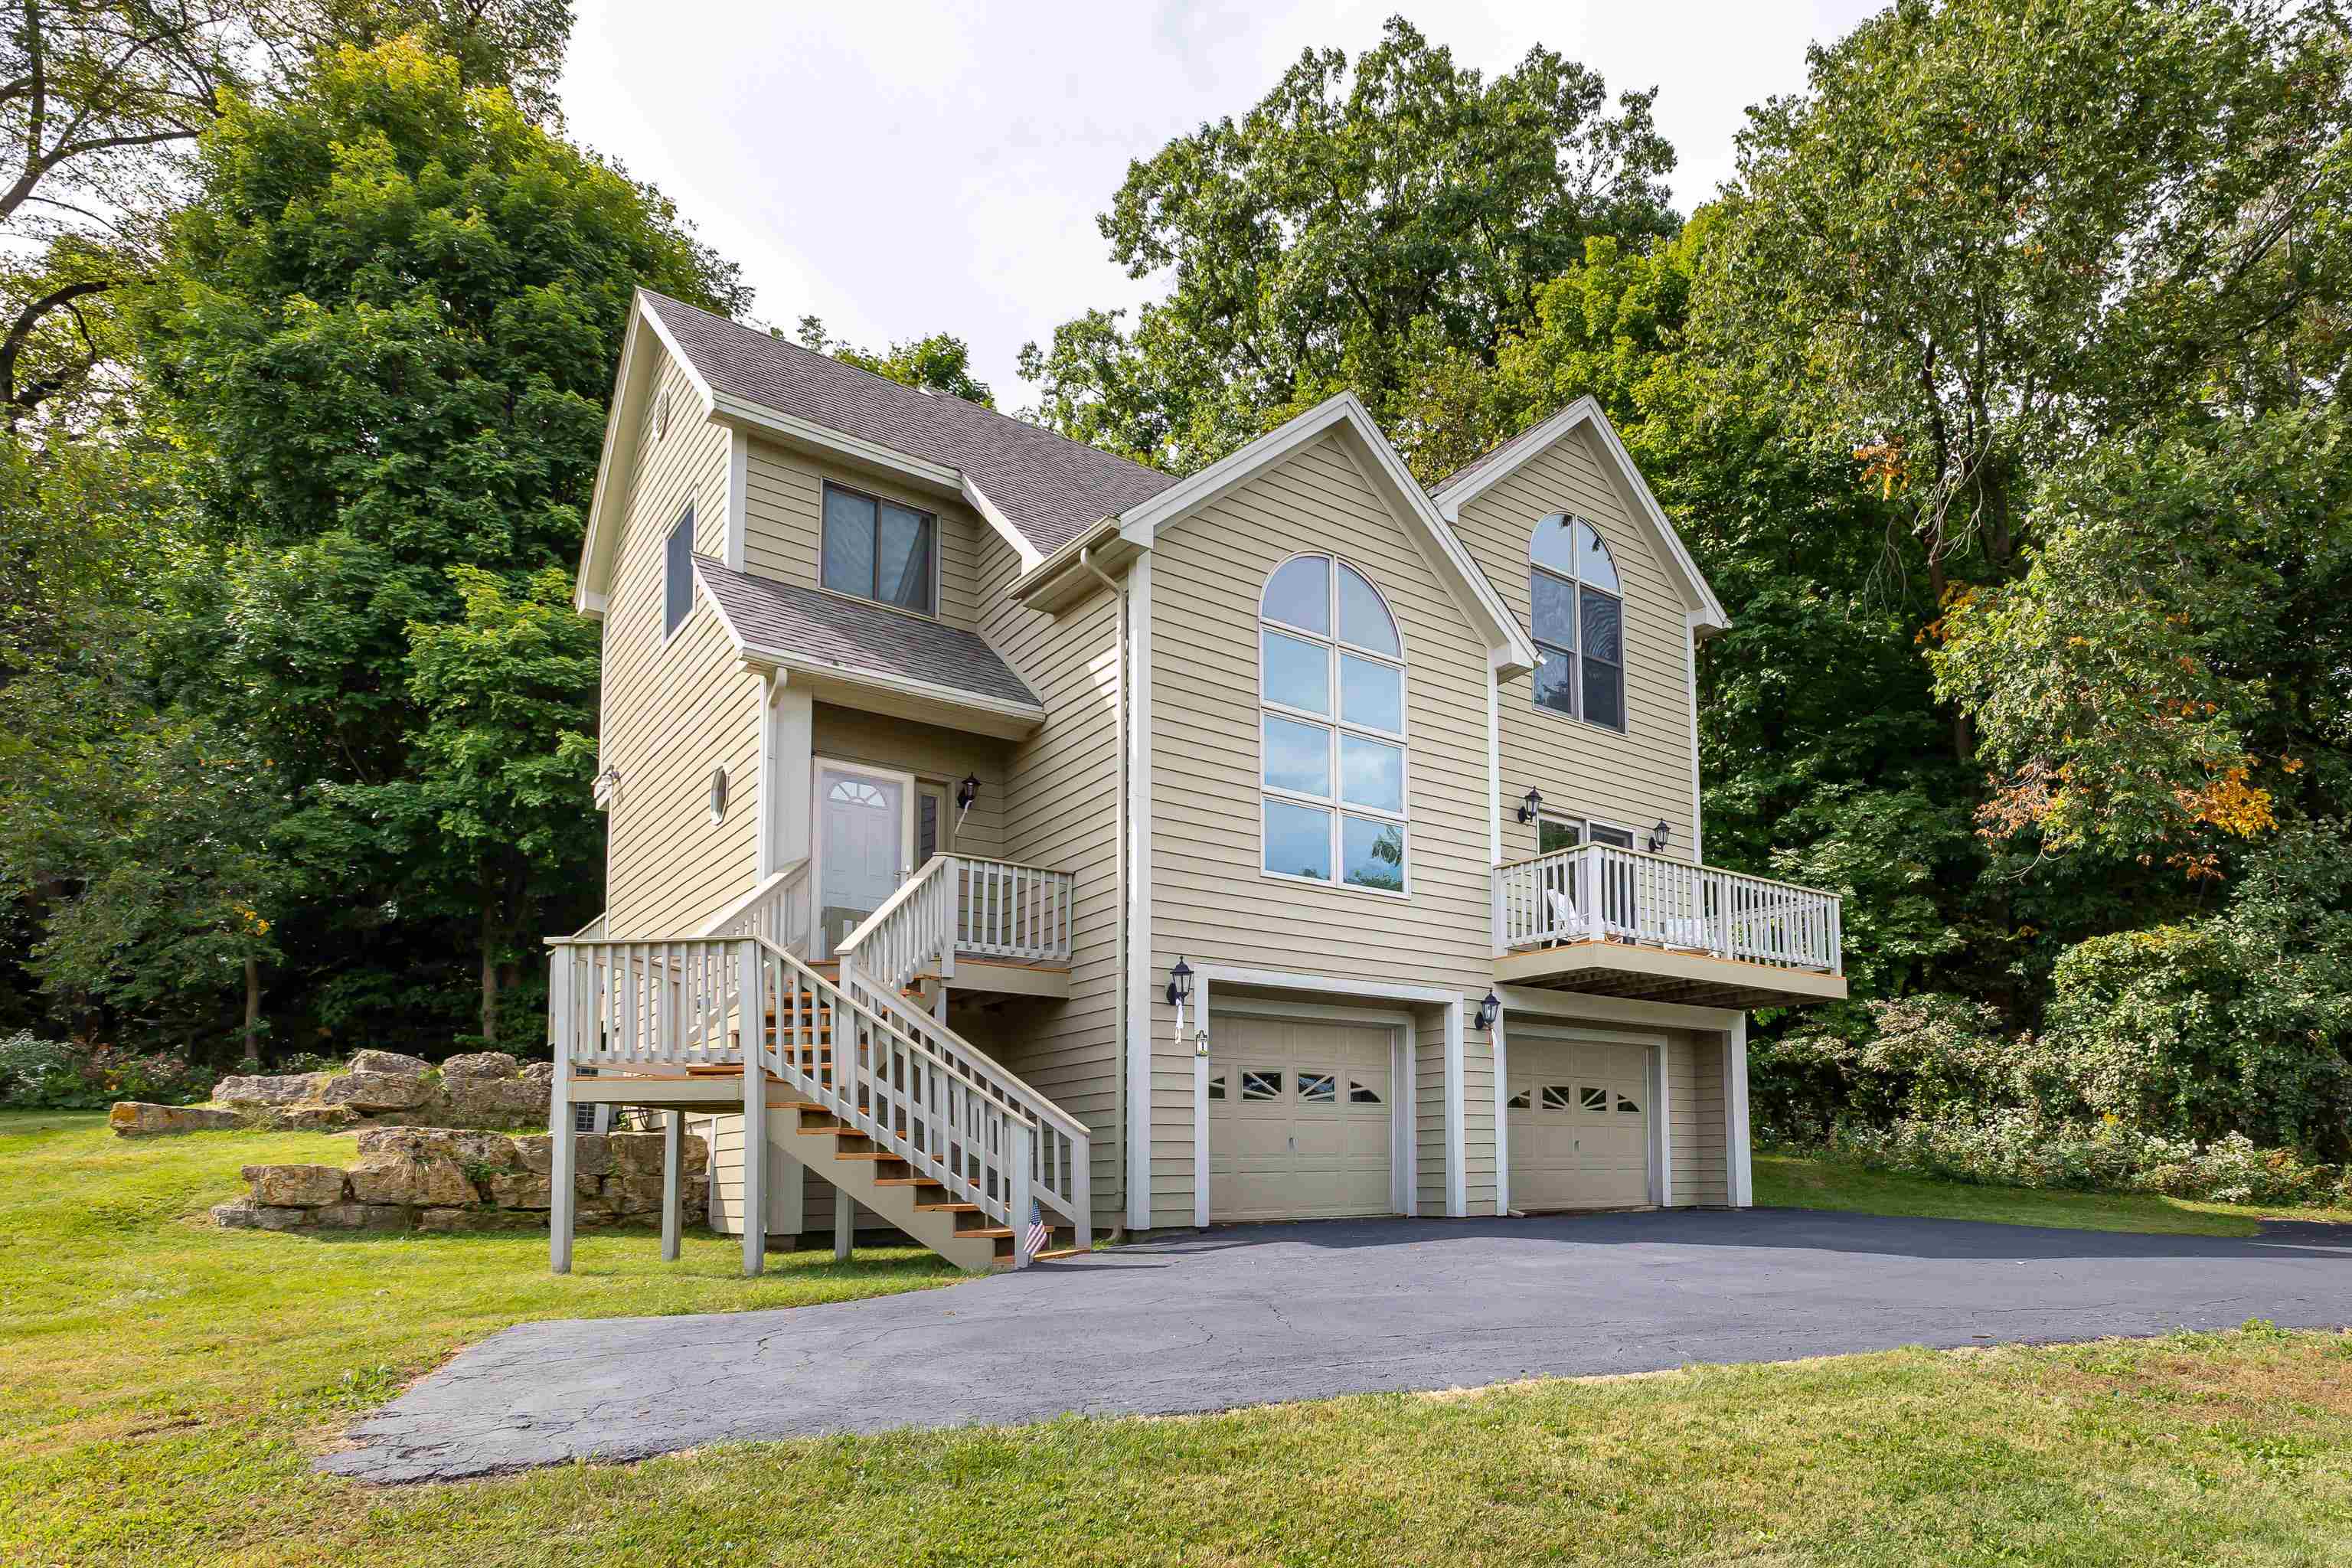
(910, 929)
(766, 910)
(920, 1107)
(1018, 1088)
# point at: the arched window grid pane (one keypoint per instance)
(1361, 692)
(1577, 605)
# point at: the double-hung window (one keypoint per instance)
(1331, 728)
(878, 550)
(1579, 615)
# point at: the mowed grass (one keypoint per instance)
(1810, 1182)
(163, 1387)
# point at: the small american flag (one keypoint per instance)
(1040, 1234)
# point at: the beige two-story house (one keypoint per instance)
(1033, 845)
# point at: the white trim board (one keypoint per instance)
(1526, 447)
(1508, 645)
(1142, 1014)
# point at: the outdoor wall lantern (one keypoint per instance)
(967, 792)
(1488, 1011)
(1532, 806)
(1660, 837)
(1179, 984)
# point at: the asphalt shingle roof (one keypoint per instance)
(1049, 487)
(1488, 457)
(843, 632)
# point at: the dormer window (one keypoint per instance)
(1580, 622)
(878, 550)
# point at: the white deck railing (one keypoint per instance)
(777, 911)
(1598, 892)
(900, 1079)
(953, 903)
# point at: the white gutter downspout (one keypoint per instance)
(1118, 1093)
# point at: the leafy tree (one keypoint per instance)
(940, 362)
(2167, 678)
(102, 102)
(1353, 225)
(503, 774)
(386, 330)
(1990, 229)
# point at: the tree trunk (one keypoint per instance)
(252, 1007)
(489, 964)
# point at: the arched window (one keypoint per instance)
(1331, 726)
(1579, 615)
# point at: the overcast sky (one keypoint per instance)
(904, 169)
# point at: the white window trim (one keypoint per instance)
(939, 553)
(690, 519)
(1334, 646)
(1577, 587)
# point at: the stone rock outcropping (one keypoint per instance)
(450, 1179)
(136, 1119)
(484, 1089)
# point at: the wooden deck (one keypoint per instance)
(1666, 974)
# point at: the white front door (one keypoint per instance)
(861, 829)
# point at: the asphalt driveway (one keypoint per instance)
(1249, 1314)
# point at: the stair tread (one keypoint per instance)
(946, 1209)
(996, 1231)
(909, 1181)
(866, 1154)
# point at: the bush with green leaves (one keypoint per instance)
(2020, 1147)
(58, 1074)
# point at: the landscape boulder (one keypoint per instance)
(135, 1118)
(296, 1186)
(399, 1178)
(267, 1090)
(466, 1145)
(480, 1065)
(377, 1091)
(391, 1064)
(243, 1214)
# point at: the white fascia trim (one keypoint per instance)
(592, 580)
(738, 491)
(1690, 677)
(996, 520)
(1141, 1013)
(1138, 524)
(1450, 499)
(1581, 1007)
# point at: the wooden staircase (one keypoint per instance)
(924, 1129)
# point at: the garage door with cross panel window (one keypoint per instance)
(1578, 1116)
(1299, 1119)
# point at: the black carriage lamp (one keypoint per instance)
(1179, 984)
(1660, 837)
(1531, 806)
(967, 792)
(1488, 1011)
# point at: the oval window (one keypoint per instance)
(718, 795)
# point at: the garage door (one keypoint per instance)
(1299, 1120)
(1579, 1119)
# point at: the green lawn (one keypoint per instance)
(162, 1385)
(1810, 1182)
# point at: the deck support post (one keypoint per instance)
(1019, 1150)
(562, 1200)
(673, 1164)
(755, 1110)
(844, 1224)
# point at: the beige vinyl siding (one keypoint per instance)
(674, 707)
(784, 524)
(1711, 1184)
(1683, 1117)
(1428, 1113)
(1635, 779)
(1060, 809)
(934, 755)
(1477, 1116)
(1210, 899)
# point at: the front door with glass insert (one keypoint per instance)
(861, 847)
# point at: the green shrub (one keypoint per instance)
(2019, 1147)
(1924, 1056)
(56, 1075)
